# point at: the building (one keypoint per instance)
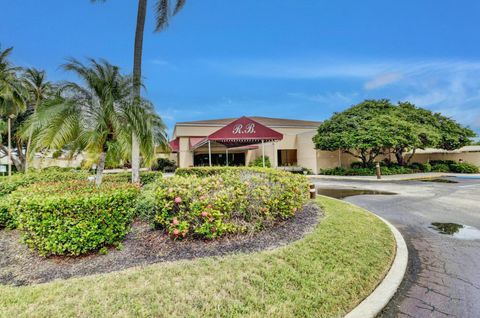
(286, 142)
(239, 141)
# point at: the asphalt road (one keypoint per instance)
(443, 276)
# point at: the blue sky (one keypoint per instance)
(300, 59)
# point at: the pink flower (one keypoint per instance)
(176, 232)
(204, 214)
(178, 200)
(175, 222)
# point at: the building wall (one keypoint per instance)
(301, 140)
(471, 157)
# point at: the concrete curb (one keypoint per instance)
(379, 298)
(409, 177)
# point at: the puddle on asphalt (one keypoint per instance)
(343, 193)
(459, 231)
(439, 180)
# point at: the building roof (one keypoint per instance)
(266, 121)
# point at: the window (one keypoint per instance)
(287, 157)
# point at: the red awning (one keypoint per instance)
(195, 141)
(175, 145)
(239, 133)
(244, 131)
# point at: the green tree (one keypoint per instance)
(358, 131)
(98, 118)
(376, 127)
(163, 12)
(12, 103)
(38, 90)
(427, 130)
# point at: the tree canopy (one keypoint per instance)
(97, 118)
(376, 127)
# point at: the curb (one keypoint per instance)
(372, 179)
(379, 298)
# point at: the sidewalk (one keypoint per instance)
(397, 177)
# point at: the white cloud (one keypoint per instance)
(159, 62)
(329, 99)
(382, 80)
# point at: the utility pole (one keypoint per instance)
(10, 145)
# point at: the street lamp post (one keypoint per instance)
(10, 144)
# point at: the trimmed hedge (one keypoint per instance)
(146, 177)
(8, 185)
(464, 167)
(74, 217)
(212, 202)
(392, 169)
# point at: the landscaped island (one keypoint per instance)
(336, 253)
(60, 213)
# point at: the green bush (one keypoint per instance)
(75, 217)
(146, 177)
(440, 167)
(464, 167)
(205, 171)
(259, 162)
(8, 185)
(359, 164)
(443, 162)
(6, 219)
(390, 169)
(212, 202)
(164, 165)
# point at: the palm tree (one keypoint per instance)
(98, 118)
(163, 12)
(12, 100)
(38, 89)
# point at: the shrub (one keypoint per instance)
(359, 164)
(206, 171)
(421, 167)
(146, 177)
(54, 174)
(443, 162)
(259, 162)
(72, 218)
(6, 219)
(464, 167)
(212, 202)
(440, 167)
(164, 165)
(390, 169)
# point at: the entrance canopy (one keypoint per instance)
(239, 133)
(242, 132)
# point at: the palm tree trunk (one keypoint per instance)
(29, 142)
(100, 168)
(137, 79)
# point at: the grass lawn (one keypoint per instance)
(325, 274)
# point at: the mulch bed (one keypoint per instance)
(21, 266)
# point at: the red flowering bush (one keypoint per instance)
(231, 201)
